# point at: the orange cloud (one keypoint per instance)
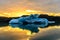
(20, 5)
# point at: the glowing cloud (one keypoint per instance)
(20, 5)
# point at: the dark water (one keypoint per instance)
(9, 33)
(52, 32)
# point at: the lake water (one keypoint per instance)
(9, 33)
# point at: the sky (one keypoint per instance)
(51, 6)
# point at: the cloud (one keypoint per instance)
(41, 5)
(11, 5)
(46, 5)
(48, 34)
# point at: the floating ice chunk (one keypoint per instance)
(14, 21)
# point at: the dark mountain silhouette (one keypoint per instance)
(51, 18)
(4, 21)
